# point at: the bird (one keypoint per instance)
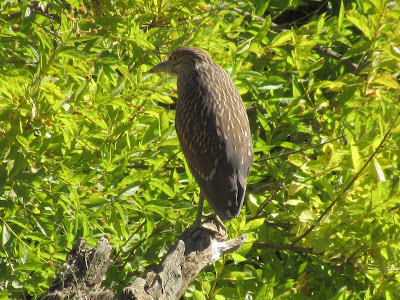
(213, 129)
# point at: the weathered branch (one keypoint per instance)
(84, 268)
(194, 250)
(83, 272)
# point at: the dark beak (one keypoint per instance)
(165, 67)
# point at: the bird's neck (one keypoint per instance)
(187, 80)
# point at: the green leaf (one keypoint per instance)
(163, 187)
(307, 216)
(237, 257)
(154, 208)
(23, 141)
(5, 237)
(395, 51)
(116, 222)
(128, 191)
(197, 295)
(261, 34)
(71, 52)
(341, 16)
(356, 157)
(262, 292)
(281, 39)
(237, 275)
(253, 225)
(386, 80)
(294, 202)
(379, 171)
(52, 93)
(120, 212)
(6, 110)
(93, 117)
(261, 7)
(164, 123)
(253, 204)
(149, 226)
(361, 22)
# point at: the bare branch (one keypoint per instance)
(194, 250)
(84, 269)
(83, 272)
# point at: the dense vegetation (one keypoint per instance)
(88, 147)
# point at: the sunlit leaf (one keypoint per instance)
(361, 22)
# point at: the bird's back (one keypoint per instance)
(213, 129)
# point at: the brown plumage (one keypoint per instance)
(212, 127)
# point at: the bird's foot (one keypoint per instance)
(212, 224)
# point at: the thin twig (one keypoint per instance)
(301, 150)
(279, 247)
(323, 50)
(273, 26)
(355, 177)
(265, 203)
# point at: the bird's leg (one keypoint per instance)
(197, 222)
(216, 226)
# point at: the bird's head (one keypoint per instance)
(182, 60)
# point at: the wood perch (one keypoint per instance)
(84, 269)
(83, 272)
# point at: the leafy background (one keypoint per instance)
(88, 147)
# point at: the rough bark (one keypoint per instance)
(196, 248)
(82, 273)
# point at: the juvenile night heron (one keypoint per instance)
(213, 129)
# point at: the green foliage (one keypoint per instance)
(88, 147)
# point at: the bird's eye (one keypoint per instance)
(173, 57)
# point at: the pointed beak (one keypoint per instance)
(165, 67)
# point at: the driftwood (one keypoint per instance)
(84, 269)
